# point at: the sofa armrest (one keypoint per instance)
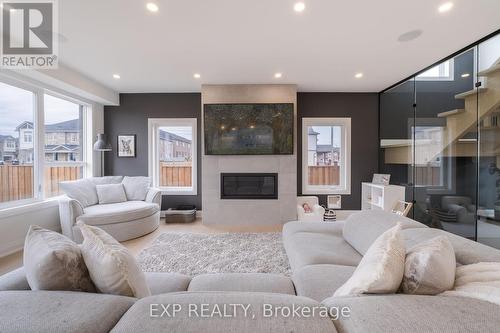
(154, 196)
(14, 280)
(69, 210)
(300, 211)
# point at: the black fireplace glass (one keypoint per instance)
(249, 186)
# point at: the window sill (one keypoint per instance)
(29, 207)
(178, 192)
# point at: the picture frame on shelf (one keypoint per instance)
(381, 179)
(126, 145)
(334, 201)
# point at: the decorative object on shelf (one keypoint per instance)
(381, 178)
(330, 216)
(102, 145)
(402, 208)
(126, 145)
(334, 201)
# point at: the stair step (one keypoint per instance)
(469, 93)
(489, 71)
(449, 113)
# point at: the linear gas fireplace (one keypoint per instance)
(249, 185)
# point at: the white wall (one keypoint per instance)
(249, 212)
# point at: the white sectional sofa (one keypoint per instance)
(323, 256)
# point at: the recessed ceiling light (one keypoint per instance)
(278, 75)
(299, 7)
(196, 75)
(465, 75)
(445, 7)
(410, 35)
(358, 75)
(152, 7)
(116, 76)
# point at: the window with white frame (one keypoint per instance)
(63, 148)
(442, 72)
(172, 155)
(326, 155)
(32, 170)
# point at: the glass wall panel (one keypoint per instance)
(396, 123)
(488, 225)
(445, 144)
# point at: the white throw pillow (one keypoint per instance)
(480, 281)
(54, 262)
(136, 188)
(381, 269)
(111, 193)
(82, 190)
(429, 267)
(112, 267)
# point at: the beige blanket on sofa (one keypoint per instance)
(481, 281)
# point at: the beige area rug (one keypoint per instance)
(196, 253)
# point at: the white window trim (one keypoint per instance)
(153, 154)
(38, 140)
(345, 154)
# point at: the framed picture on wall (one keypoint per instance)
(126, 145)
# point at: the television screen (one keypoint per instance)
(248, 129)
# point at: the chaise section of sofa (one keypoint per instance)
(415, 313)
(198, 312)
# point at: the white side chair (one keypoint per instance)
(317, 212)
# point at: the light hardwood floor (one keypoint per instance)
(15, 260)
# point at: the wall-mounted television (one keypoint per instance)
(248, 129)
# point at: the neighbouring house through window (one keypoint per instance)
(34, 155)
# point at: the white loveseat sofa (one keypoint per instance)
(135, 217)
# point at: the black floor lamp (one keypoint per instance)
(102, 146)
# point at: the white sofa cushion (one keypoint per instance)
(362, 229)
(381, 269)
(429, 267)
(82, 190)
(136, 188)
(112, 267)
(110, 193)
(106, 180)
(54, 262)
(118, 212)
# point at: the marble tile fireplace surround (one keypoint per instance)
(249, 211)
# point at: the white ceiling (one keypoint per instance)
(237, 41)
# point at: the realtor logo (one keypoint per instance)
(29, 28)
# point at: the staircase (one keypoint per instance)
(454, 140)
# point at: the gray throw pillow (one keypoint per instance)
(54, 262)
(111, 193)
(136, 188)
(82, 190)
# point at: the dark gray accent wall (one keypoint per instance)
(131, 117)
(362, 108)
